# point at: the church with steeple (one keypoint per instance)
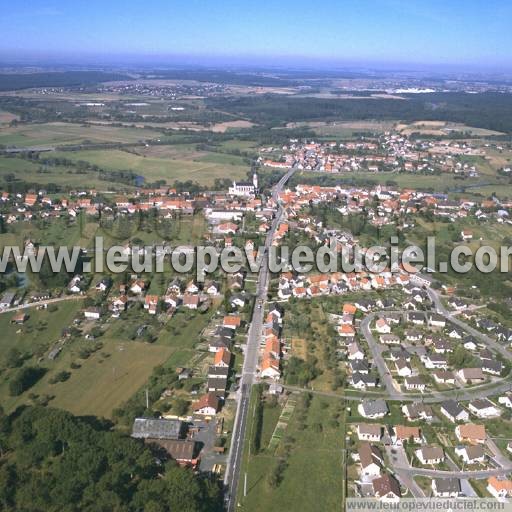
(244, 188)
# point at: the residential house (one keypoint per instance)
(191, 301)
(430, 454)
(446, 487)
(418, 411)
(373, 409)
(207, 405)
(436, 320)
(444, 377)
(471, 375)
(92, 313)
(454, 411)
(270, 367)
(371, 460)
(386, 488)
(355, 352)
(222, 358)
(369, 432)
(492, 367)
(231, 321)
(382, 327)
(403, 434)
(415, 383)
(499, 487)
(403, 368)
(484, 408)
(389, 339)
(506, 400)
(363, 381)
(472, 454)
(471, 433)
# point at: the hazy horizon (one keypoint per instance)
(383, 33)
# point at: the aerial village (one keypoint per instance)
(425, 362)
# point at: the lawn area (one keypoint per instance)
(168, 163)
(313, 478)
(59, 133)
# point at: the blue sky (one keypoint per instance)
(471, 32)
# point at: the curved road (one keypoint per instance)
(394, 393)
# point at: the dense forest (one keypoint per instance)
(51, 460)
(486, 110)
(15, 81)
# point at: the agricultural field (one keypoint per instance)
(31, 172)
(55, 134)
(7, 117)
(106, 379)
(167, 163)
(344, 129)
(114, 366)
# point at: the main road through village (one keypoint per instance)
(404, 471)
(232, 475)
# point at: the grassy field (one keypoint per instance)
(50, 134)
(42, 328)
(107, 379)
(313, 477)
(57, 232)
(166, 163)
(62, 175)
(344, 129)
(445, 183)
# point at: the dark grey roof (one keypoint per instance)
(144, 428)
(218, 371)
(493, 366)
(447, 485)
(372, 407)
(224, 332)
(217, 383)
(362, 377)
(452, 408)
(481, 403)
(359, 366)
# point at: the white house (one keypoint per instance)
(369, 432)
(403, 368)
(506, 400)
(471, 454)
(92, 313)
(355, 352)
(382, 327)
(430, 454)
(484, 408)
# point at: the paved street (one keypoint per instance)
(232, 475)
(436, 299)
